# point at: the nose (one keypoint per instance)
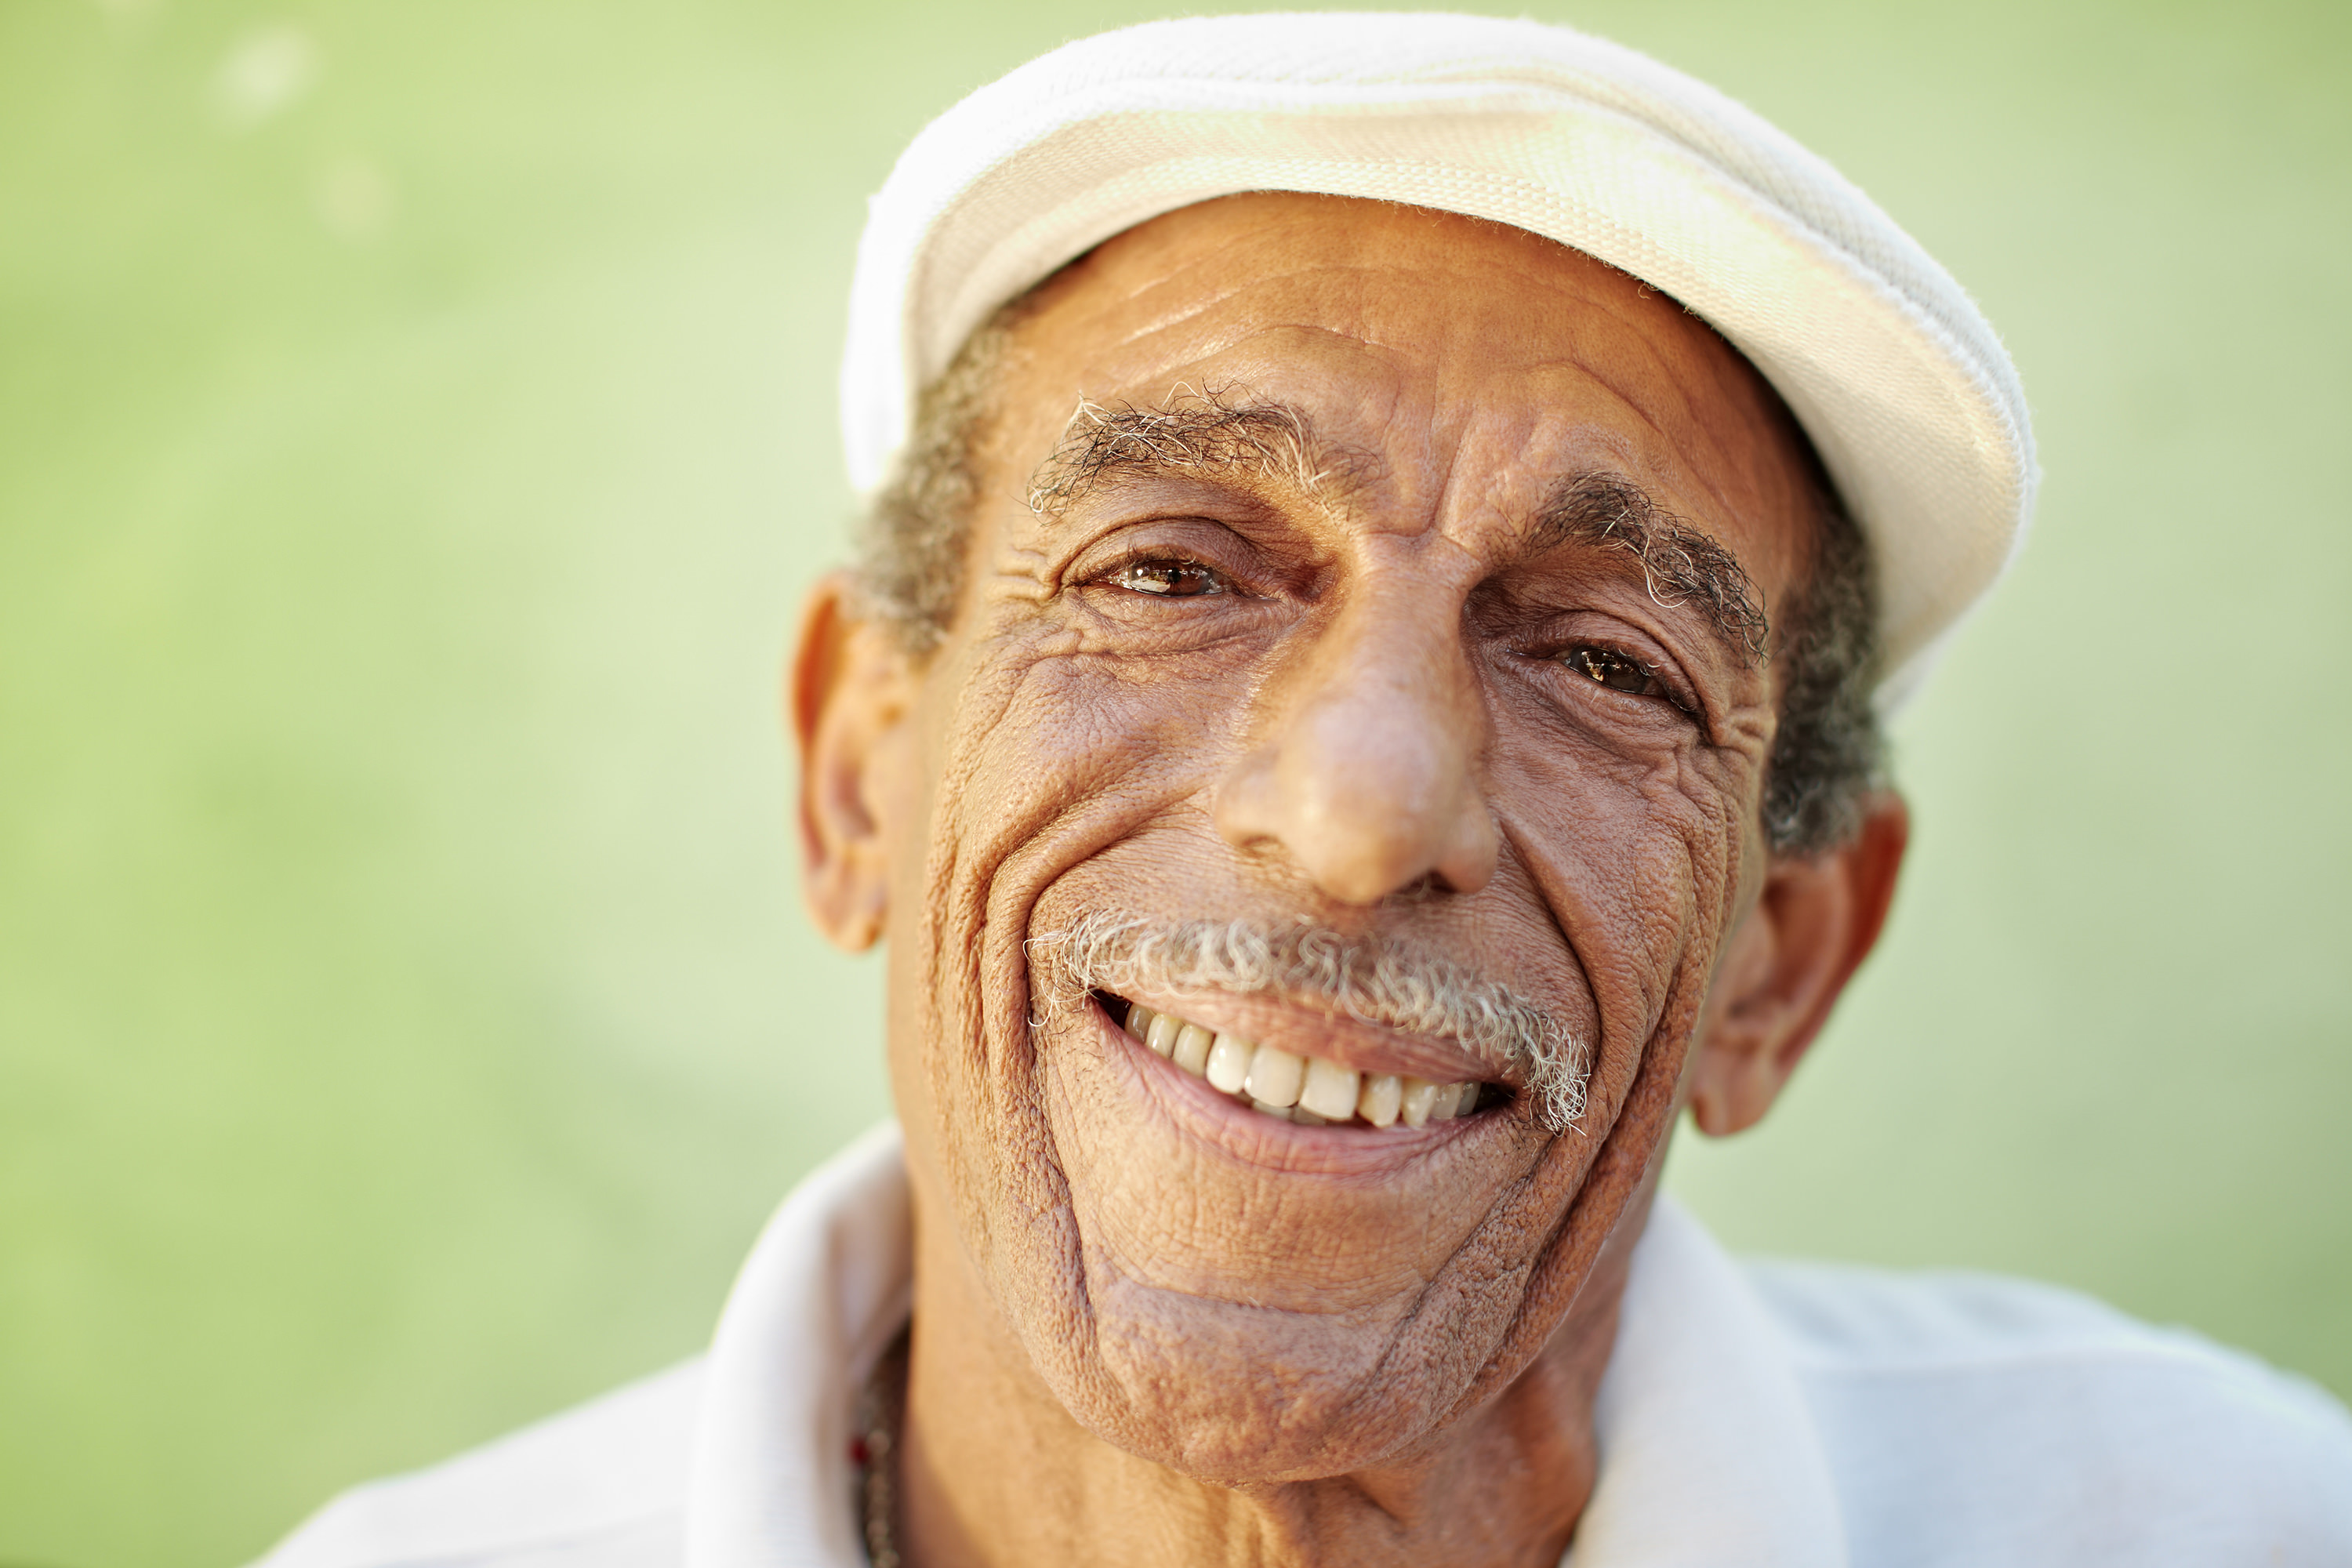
(1368, 777)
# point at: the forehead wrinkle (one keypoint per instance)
(1635, 392)
(1701, 474)
(1712, 374)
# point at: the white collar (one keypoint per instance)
(1707, 1456)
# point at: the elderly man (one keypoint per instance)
(1390, 539)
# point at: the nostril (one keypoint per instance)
(1245, 809)
(1468, 863)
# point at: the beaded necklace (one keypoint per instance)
(873, 1450)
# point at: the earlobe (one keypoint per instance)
(847, 693)
(1815, 920)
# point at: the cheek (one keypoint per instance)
(1026, 727)
(1037, 758)
(1055, 729)
(1637, 858)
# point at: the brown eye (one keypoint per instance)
(1170, 579)
(1606, 666)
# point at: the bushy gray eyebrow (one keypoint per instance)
(1193, 432)
(1680, 565)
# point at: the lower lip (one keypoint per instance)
(1337, 1150)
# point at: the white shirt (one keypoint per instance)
(1751, 1414)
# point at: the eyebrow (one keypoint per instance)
(1194, 432)
(1205, 433)
(1680, 566)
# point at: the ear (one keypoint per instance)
(847, 694)
(1813, 922)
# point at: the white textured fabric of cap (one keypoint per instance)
(1898, 379)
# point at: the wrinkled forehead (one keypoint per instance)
(1236, 239)
(1406, 339)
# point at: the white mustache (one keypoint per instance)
(1374, 981)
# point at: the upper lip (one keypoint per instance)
(1303, 1029)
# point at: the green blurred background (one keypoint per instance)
(415, 433)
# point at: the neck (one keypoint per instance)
(993, 1470)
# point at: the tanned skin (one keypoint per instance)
(1151, 1326)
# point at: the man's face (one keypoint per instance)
(1372, 665)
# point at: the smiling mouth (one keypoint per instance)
(1290, 1088)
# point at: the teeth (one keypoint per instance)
(1276, 1077)
(1330, 1091)
(1229, 1063)
(1307, 1090)
(1164, 1030)
(1191, 1052)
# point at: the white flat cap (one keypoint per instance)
(1893, 372)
